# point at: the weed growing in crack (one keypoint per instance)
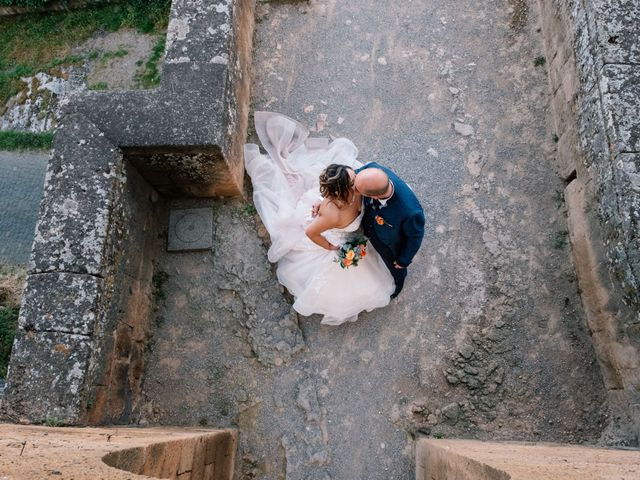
(555, 138)
(539, 61)
(560, 239)
(559, 199)
(53, 422)
(249, 209)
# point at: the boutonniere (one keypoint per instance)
(381, 221)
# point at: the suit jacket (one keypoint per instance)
(395, 230)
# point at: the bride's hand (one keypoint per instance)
(315, 208)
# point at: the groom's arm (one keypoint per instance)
(413, 228)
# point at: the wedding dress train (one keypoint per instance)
(285, 186)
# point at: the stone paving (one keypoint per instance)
(488, 338)
(21, 182)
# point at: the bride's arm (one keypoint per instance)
(326, 219)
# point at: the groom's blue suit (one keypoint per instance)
(395, 229)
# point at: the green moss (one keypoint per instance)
(10, 140)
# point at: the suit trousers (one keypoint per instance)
(398, 274)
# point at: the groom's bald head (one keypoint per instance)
(372, 182)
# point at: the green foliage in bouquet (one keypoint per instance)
(351, 252)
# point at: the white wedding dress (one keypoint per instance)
(285, 186)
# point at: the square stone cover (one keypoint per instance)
(190, 229)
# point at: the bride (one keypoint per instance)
(296, 172)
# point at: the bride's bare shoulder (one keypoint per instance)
(329, 208)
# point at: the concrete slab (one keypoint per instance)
(190, 229)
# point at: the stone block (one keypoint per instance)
(620, 87)
(569, 155)
(186, 137)
(616, 30)
(592, 130)
(82, 187)
(588, 62)
(47, 377)
(61, 302)
(186, 456)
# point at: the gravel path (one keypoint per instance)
(488, 338)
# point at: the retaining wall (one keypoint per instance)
(84, 324)
(593, 57)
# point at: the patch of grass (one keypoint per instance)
(159, 280)
(560, 239)
(8, 328)
(53, 422)
(98, 86)
(11, 140)
(121, 52)
(555, 138)
(539, 61)
(24, 3)
(559, 199)
(149, 76)
(438, 435)
(36, 42)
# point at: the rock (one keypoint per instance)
(471, 370)
(453, 380)
(494, 335)
(451, 413)
(307, 400)
(466, 351)
(463, 129)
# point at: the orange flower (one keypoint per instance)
(350, 254)
(347, 261)
(363, 252)
(379, 220)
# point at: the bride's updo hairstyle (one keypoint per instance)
(335, 182)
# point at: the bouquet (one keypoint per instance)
(351, 252)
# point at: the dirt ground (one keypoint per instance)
(488, 339)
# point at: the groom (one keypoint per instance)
(393, 218)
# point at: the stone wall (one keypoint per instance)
(593, 54)
(85, 318)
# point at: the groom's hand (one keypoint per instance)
(315, 209)
(395, 264)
